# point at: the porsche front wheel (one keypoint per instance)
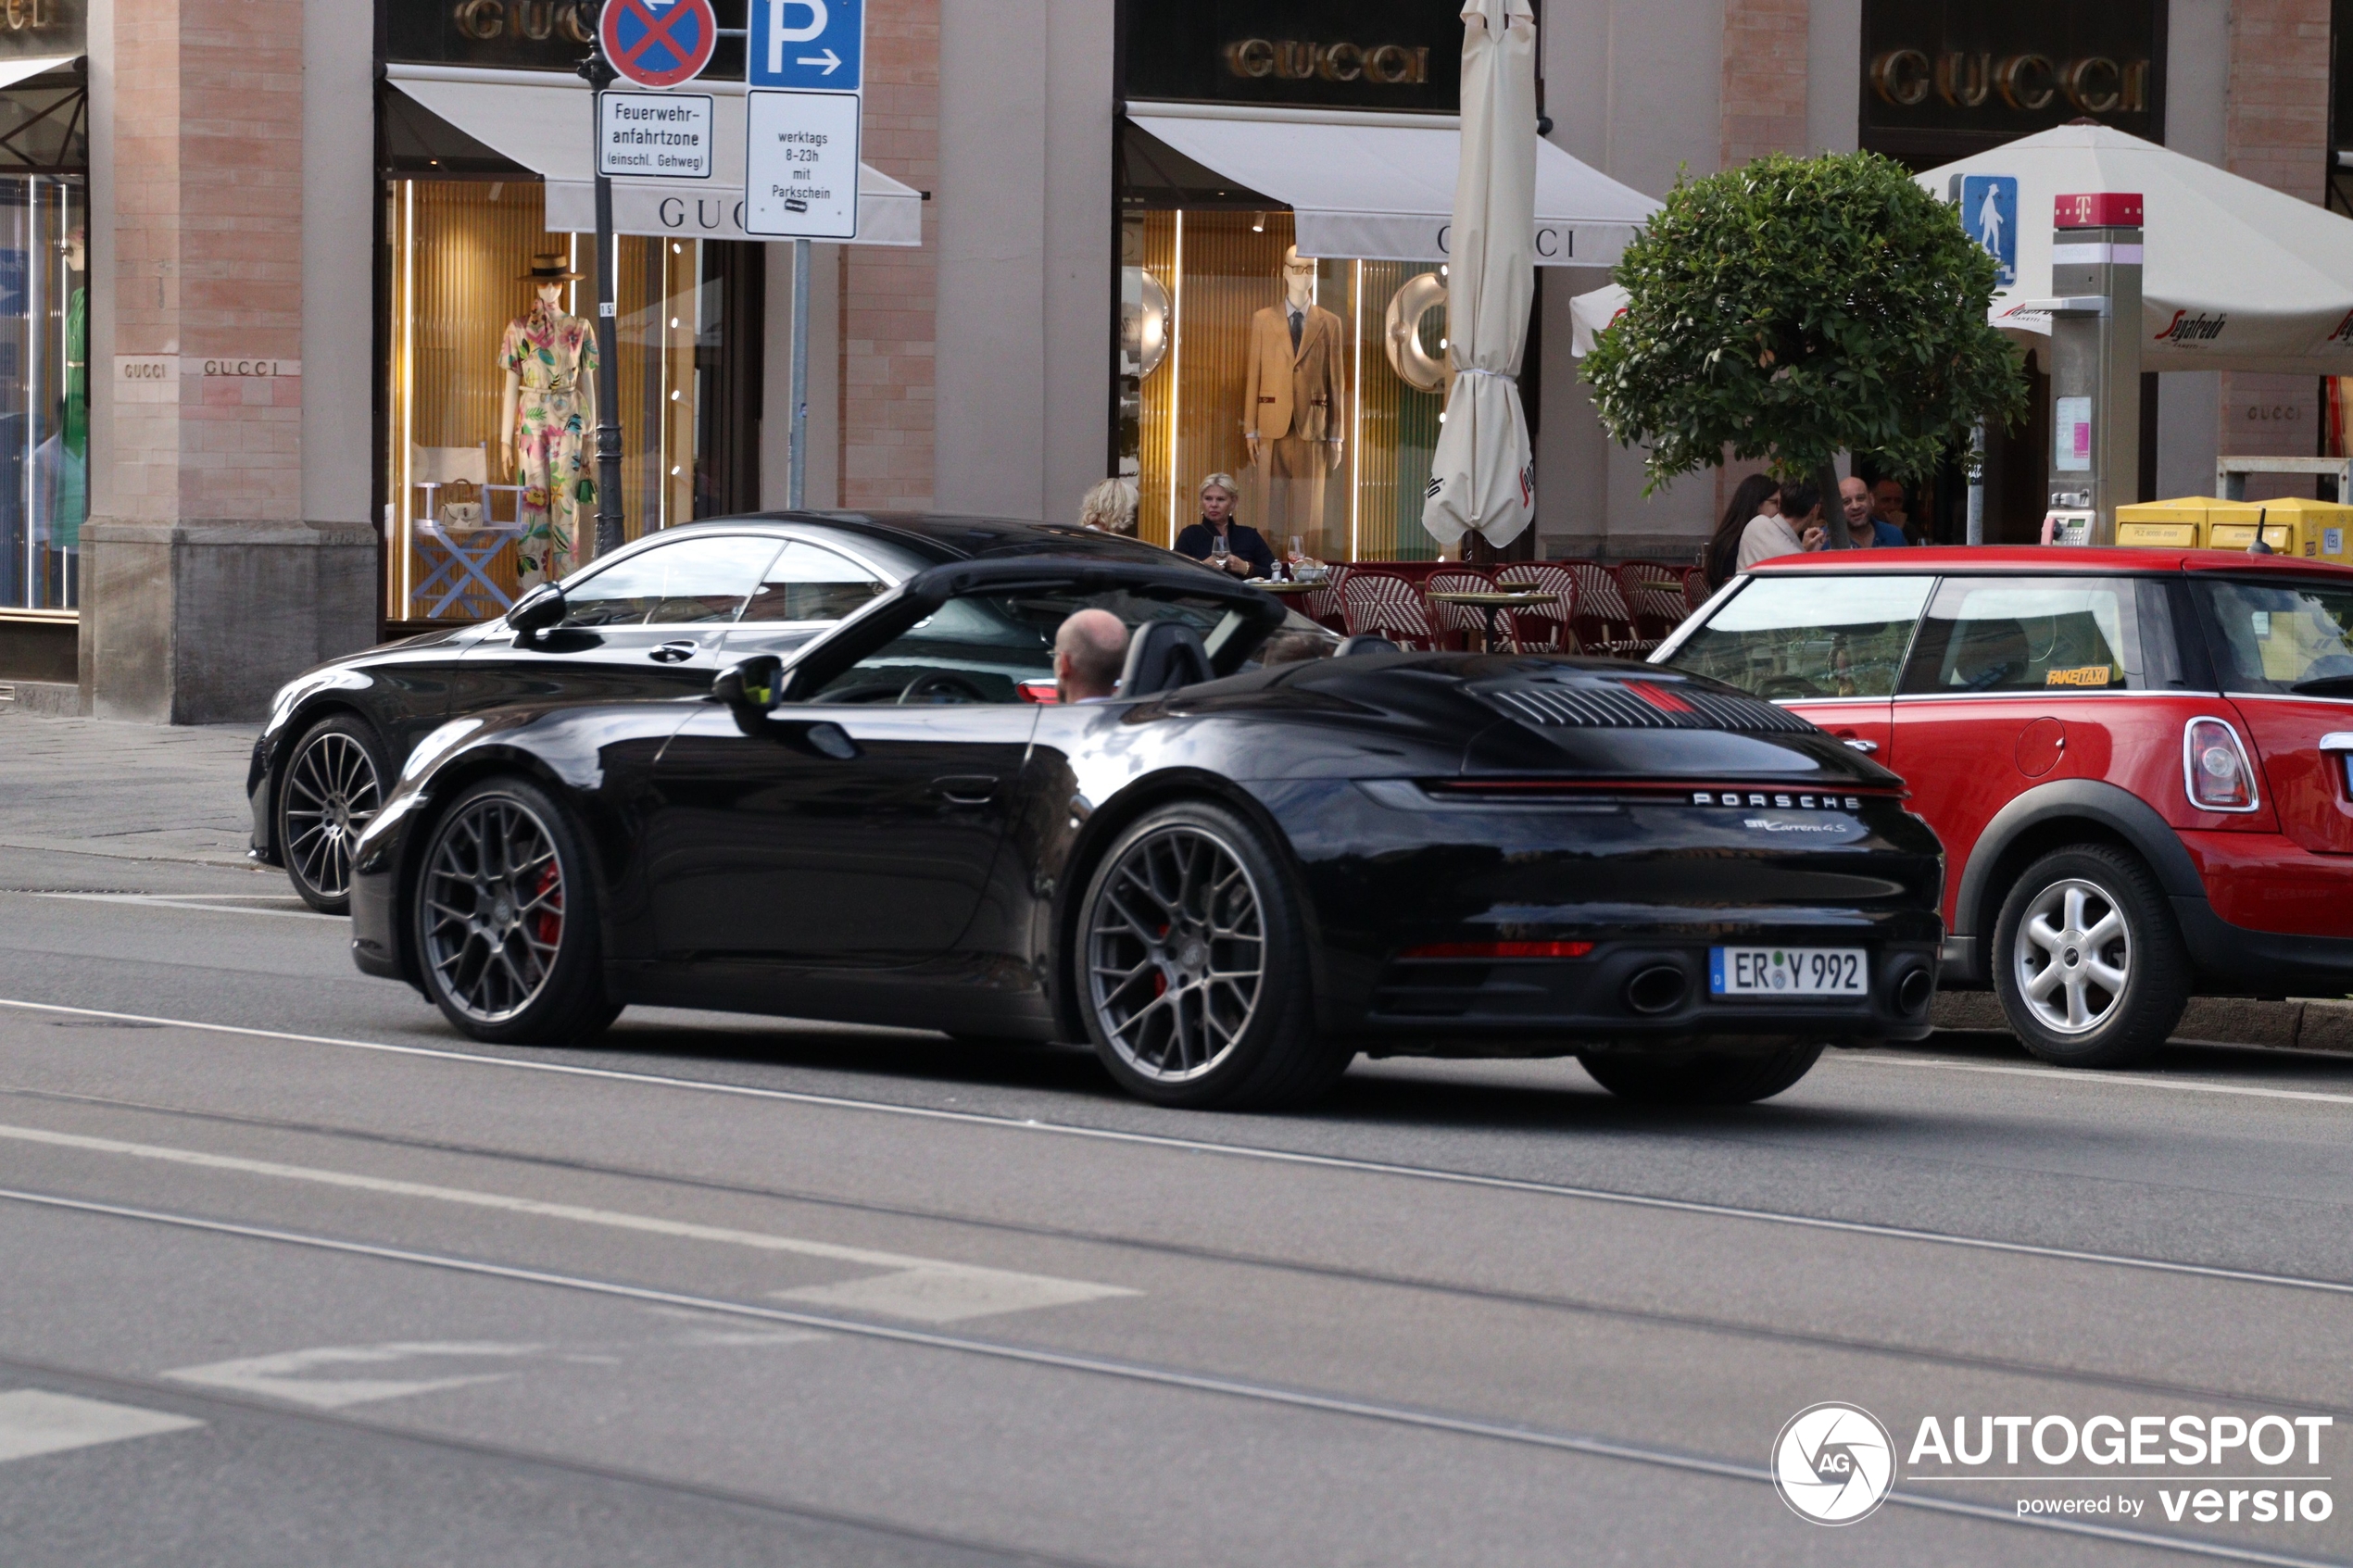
(506, 913)
(1193, 967)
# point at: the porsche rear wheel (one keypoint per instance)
(1193, 967)
(1712, 1078)
(506, 914)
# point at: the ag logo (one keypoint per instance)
(1833, 1463)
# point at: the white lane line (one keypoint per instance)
(1165, 1378)
(281, 1376)
(210, 903)
(1243, 1151)
(923, 1289)
(2105, 1079)
(34, 1420)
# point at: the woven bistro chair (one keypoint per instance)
(1605, 621)
(1321, 602)
(1655, 593)
(1468, 620)
(1696, 589)
(1544, 628)
(1376, 602)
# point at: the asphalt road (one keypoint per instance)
(291, 1274)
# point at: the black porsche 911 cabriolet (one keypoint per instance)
(1250, 864)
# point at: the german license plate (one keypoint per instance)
(1788, 972)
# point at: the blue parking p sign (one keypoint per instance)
(806, 44)
(1989, 211)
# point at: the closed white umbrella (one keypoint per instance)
(1480, 476)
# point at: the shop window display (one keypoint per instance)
(44, 391)
(490, 469)
(1318, 383)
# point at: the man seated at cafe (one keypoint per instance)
(1090, 649)
(1863, 531)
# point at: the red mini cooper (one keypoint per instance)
(2137, 761)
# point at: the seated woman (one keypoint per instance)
(1246, 552)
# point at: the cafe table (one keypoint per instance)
(1491, 603)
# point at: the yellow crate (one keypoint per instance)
(2315, 530)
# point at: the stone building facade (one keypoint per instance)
(266, 268)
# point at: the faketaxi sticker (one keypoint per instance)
(2087, 675)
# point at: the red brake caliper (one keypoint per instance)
(548, 924)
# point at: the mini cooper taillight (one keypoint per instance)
(2215, 767)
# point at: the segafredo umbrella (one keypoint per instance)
(1480, 476)
(2235, 276)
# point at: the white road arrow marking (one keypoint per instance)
(281, 1376)
(35, 1421)
(831, 61)
(925, 1289)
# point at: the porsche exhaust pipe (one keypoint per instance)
(1657, 989)
(1913, 991)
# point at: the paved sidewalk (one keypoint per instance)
(132, 792)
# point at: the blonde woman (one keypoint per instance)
(1219, 540)
(1109, 508)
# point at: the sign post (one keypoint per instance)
(805, 69)
(655, 43)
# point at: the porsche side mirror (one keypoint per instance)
(749, 691)
(541, 608)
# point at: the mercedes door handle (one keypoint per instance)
(1865, 747)
(965, 789)
(674, 653)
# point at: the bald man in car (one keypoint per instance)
(1091, 647)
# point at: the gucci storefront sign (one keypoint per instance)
(536, 21)
(1945, 78)
(159, 378)
(1390, 65)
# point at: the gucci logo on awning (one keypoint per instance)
(1393, 64)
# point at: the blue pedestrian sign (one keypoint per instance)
(807, 44)
(1989, 211)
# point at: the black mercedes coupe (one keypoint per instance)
(1262, 856)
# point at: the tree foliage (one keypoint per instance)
(1796, 307)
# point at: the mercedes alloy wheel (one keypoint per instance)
(332, 789)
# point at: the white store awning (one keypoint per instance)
(540, 119)
(14, 71)
(1381, 186)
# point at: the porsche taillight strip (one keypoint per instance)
(1782, 797)
(1499, 950)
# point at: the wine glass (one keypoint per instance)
(1218, 551)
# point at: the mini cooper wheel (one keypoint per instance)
(506, 914)
(1193, 967)
(331, 788)
(2088, 964)
(1709, 1078)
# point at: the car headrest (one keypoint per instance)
(1162, 656)
(1364, 642)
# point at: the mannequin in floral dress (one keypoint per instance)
(545, 418)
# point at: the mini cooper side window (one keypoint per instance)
(2284, 635)
(1795, 638)
(700, 579)
(810, 583)
(2044, 635)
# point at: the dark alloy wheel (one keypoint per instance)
(331, 788)
(1193, 967)
(505, 916)
(2089, 965)
(1709, 1078)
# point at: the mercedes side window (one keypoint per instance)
(679, 583)
(1806, 638)
(1991, 634)
(810, 583)
(2284, 637)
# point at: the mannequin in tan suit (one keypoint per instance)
(1295, 409)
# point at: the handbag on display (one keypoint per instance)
(461, 507)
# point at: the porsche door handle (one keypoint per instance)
(1865, 747)
(965, 789)
(674, 653)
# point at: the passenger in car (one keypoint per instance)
(1090, 648)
